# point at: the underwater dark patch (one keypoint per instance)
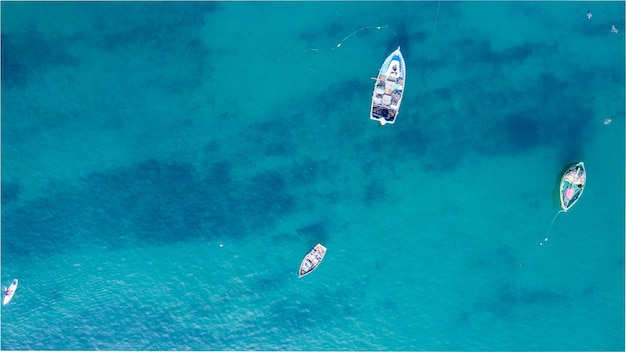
(167, 30)
(10, 192)
(375, 191)
(519, 132)
(152, 201)
(440, 150)
(161, 200)
(478, 49)
(276, 149)
(161, 25)
(30, 52)
(43, 225)
(508, 298)
(316, 232)
(514, 55)
(283, 236)
(218, 175)
(319, 36)
(272, 138)
(308, 171)
(266, 198)
(328, 105)
(389, 306)
(275, 281)
(348, 89)
(542, 121)
(473, 49)
(503, 263)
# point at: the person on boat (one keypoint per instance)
(6, 292)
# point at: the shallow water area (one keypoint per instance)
(167, 165)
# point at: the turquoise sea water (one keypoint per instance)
(166, 166)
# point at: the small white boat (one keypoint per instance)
(9, 292)
(572, 185)
(388, 89)
(312, 260)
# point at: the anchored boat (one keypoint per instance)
(572, 185)
(312, 260)
(388, 89)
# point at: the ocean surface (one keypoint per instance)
(167, 165)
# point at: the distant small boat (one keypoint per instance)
(572, 185)
(312, 260)
(9, 292)
(388, 89)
